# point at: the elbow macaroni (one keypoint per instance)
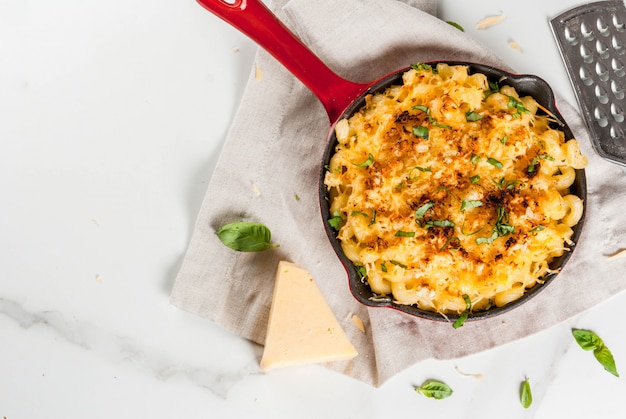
(448, 186)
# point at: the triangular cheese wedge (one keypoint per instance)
(302, 329)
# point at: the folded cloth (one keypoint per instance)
(268, 173)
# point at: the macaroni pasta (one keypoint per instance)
(450, 186)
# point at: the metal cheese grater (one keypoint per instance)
(592, 42)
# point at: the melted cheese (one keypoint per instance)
(302, 328)
(448, 186)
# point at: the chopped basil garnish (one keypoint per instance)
(422, 108)
(493, 88)
(373, 217)
(469, 204)
(360, 269)
(501, 228)
(422, 66)
(434, 123)
(401, 233)
(495, 163)
(534, 162)
(246, 237)
(589, 341)
(383, 267)
(471, 116)
(421, 132)
(456, 25)
(449, 241)
(336, 220)
(475, 158)
(438, 223)
(504, 139)
(400, 264)
(434, 389)
(421, 211)
(525, 396)
(536, 229)
(360, 213)
(474, 179)
(463, 317)
(518, 106)
(368, 162)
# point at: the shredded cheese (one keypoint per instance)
(465, 191)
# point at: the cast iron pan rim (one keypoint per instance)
(525, 85)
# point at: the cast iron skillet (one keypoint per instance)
(342, 98)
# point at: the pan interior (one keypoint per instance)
(526, 85)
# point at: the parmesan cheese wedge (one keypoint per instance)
(302, 329)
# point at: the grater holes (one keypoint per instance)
(618, 24)
(586, 31)
(617, 112)
(602, 26)
(617, 135)
(617, 45)
(600, 117)
(601, 95)
(586, 54)
(602, 49)
(617, 90)
(618, 67)
(602, 71)
(570, 37)
(585, 76)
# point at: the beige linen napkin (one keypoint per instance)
(268, 172)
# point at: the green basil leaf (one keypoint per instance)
(469, 204)
(463, 317)
(360, 269)
(526, 396)
(488, 240)
(474, 179)
(362, 214)
(533, 163)
(400, 264)
(471, 116)
(475, 158)
(383, 267)
(421, 211)
(422, 108)
(605, 358)
(368, 162)
(401, 233)
(336, 220)
(495, 163)
(536, 229)
(434, 389)
(456, 25)
(439, 223)
(245, 236)
(421, 132)
(587, 339)
(373, 217)
(504, 139)
(421, 66)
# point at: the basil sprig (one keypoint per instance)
(245, 236)
(434, 389)
(463, 317)
(589, 341)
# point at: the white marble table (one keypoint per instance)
(109, 132)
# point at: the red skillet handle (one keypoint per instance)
(255, 20)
